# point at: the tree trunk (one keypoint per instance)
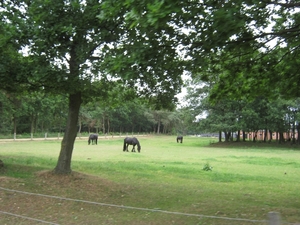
(254, 136)
(298, 132)
(244, 136)
(32, 123)
(15, 124)
(271, 137)
(80, 125)
(294, 131)
(227, 136)
(64, 161)
(238, 138)
(108, 126)
(281, 138)
(158, 127)
(103, 124)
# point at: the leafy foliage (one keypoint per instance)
(250, 48)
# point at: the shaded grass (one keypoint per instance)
(244, 182)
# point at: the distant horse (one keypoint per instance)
(179, 138)
(131, 141)
(93, 137)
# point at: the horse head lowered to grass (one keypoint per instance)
(131, 141)
(93, 137)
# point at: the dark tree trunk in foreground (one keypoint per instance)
(64, 161)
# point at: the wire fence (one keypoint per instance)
(272, 219)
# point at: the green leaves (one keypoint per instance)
(230, 47)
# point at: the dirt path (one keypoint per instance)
(60, 138)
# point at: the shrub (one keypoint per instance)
(207, 167)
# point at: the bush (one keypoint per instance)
(207, 167)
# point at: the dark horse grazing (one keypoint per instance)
(179, 138)
(93, 137)
(131, 141)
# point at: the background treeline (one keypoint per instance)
(234, 118)
(38, 112)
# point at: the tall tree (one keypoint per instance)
(73, 44)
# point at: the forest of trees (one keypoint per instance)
(90, 62)
(39, 113)
(237, 116)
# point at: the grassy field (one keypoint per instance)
(245, 182)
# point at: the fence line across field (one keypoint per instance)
(273, 217)
(27, 218)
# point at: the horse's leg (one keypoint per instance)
(124, 146)
(133, 150)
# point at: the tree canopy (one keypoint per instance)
(246, 47)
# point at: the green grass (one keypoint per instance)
(245, 182)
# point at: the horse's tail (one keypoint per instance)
(138, 146)
(89, 141)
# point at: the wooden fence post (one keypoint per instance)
(273, 218)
